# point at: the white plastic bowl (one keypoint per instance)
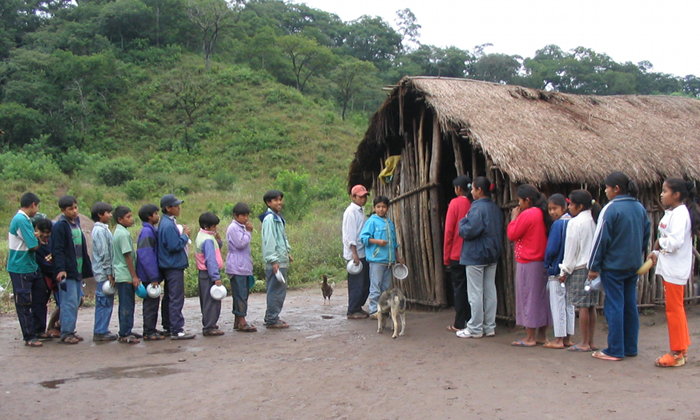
(153, 290)
(400, 271)
(107, 289)
(280, 277)
(217, 292)
(354, 269)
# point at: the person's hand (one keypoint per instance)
(593, 274)
(654, 258)
(562, 279)
(356, 260)
(381, 242)
(186, 230)
(218, 282)
(61, 276)
(515, 212)
(290, 258)
(275, 267)
(217, 236)
(248, 226)
(135, 281)
(48, 258)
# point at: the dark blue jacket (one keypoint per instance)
(46, 267)
(482, 231)
(147, 254)
(624, 233)
(554, 254)
(63, 251)
(171, 245)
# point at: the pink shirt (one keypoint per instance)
(452, 244)
(529, 234)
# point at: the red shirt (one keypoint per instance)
(529, 234)
(452, 245)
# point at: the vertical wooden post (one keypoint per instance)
(435, 213)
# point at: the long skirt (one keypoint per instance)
(531, 298)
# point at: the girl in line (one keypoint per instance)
(619, 245)
(673, 254)
(562, 313)
(528, 229)
(577, 249)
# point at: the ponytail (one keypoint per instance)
(585, 199)
(622, 181)
(686, 189)
(537, 199)
(482, 183)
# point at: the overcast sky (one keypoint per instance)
(664, 32)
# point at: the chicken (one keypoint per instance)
(326, 289)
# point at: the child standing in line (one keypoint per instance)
(577, 249)
(172, 260)
(673, 254)
(277, 257)
(239, 265)
(72, 264)
(28, 285)
(563, 316)
(209, 263)
(125, 273)
(379, 237)
(101, 214)
(147, 270)
(42, 230)
(528, 229)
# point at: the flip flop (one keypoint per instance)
(521, 343)
(551, 345)
(247, 328)
(578, 348)
(602, 356)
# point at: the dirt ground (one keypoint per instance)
(326, 366)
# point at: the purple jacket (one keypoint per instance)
(147, 255)
(238, 260)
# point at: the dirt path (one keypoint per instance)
(325, 366)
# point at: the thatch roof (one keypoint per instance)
(538, 136)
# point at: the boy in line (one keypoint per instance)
(353, 249)
(275, 250)
(209, 262)
(28, 285)
(172, 260)
(239, 265)
(125, 274)
(101, 214)
(72, 263)
(147, 270)
(42, 230)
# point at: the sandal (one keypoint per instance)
(602, 356)
(78, 337)
(33, 343)
(43, 336)
(451, 328)
(672, 359)
(553, 345)
(129, 339)
(277, 325)
(153, 337)
(212, 333)
(521, 343)
(70, 339)
(578, 348)
(247, 328)
(53, 333)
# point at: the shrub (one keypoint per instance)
(223, 180)
(23, 166)
(136, 189)
(117, 171)
(295, 187)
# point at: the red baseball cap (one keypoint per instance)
(359, 190)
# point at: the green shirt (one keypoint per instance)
(121, 244)
(20, 240)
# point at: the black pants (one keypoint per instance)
(150, 313)
(175, 287)
(31, 296)
(358, 288)
(458, 275)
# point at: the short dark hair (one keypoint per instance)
(271, 195)
(241, 208)
(208, 219)
(146, 211)
(28, 199)
(558, 200)
(462, 182)
(98, 209)
(43, 225)
(120, 212)
(66, 201)
(381, 199)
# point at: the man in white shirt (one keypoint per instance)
(353, 250)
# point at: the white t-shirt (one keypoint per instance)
(676, 254)
(353, 220)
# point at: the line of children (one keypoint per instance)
(101, 214)
(209, 264)
(239, 265)
(277, 257)
(125, 276)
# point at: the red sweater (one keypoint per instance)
(529, 234)
(452, 245)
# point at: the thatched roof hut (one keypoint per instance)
(442, 127)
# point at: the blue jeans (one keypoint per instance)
(621, 312)
(125, 291)
(239, 292)
(70, 299)
(103, 310)
(379, 281)
(358, 288)
(30, 292)
(276, 293)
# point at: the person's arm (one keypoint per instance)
(367, 232)
(238, 238)
(58, 250)
(350, 235)
(450, 227)
(572, 248)
(101, 252)
(268, 243)
(173, 241)
(27, 231)
(675, 235)
(551, 251)
(147, 258)
(209, 251)
(519, 226)
(473, 224)
(647, 231)
(601, 242)
(126, 247)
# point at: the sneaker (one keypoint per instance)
(104, 337)
(672, 359)
(466, 334)
(182, 336)
(357, 315)
(490, 334)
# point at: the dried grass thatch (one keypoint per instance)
(539, 137)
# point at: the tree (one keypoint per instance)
(212, 17)
(371, 39)
(306, 57)
(408, 28)
(691, 85)
(498, 68)
(350, 77)
(125, 20)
